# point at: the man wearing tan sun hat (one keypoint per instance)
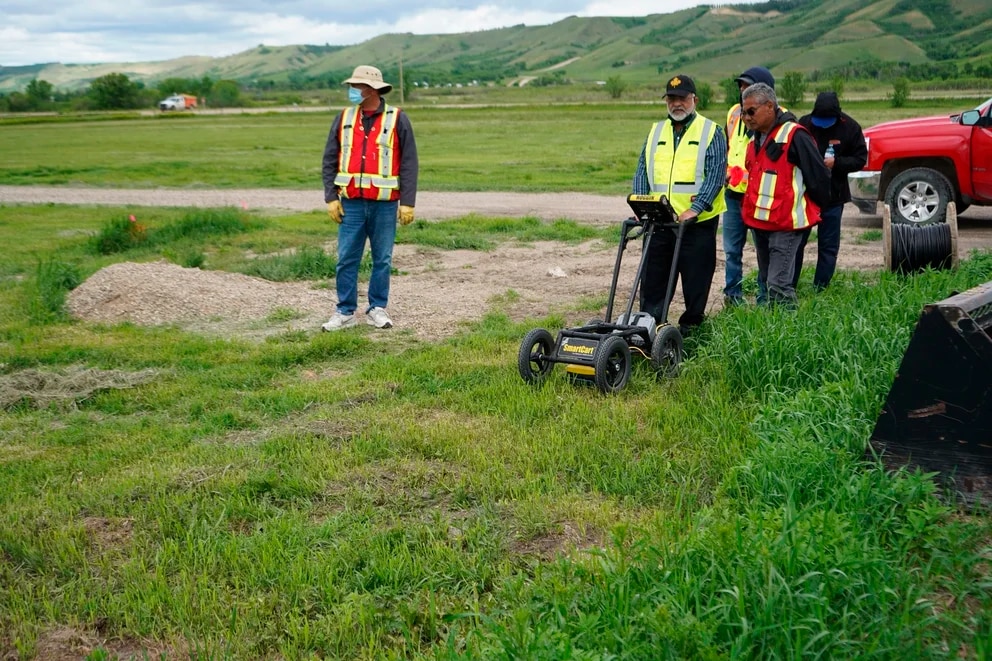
(370, 181)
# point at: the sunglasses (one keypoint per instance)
(750, 111)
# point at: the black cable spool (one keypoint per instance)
(911, 248)
(916, 248)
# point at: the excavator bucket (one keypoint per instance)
(938, 414)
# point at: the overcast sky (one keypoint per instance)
(78, 32)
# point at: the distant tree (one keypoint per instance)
(705, 93)
(298, 80)
(615, 86)
(792, 88)
(174, 85)
(114, 91)
(39, 93)
(837, 85)
(201, 87)
(900, 93)
(731, 93)
(224, 94)
(17, 102)
(549, 79)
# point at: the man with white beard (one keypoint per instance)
(685, 158)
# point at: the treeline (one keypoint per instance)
(115, 91)
(879, 70)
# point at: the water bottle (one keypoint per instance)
(829, 153)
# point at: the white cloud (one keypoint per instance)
(148, 30)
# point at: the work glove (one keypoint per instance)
(405, 215)
(335, 211)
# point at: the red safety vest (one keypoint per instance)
(369, 163)
(776, 194)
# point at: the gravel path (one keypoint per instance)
(431, 206)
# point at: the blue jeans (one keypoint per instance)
(365, 220)
(734, 240)
(827, 247)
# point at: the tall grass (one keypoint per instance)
(307, 263)
(812, 550)
(120, 234)
(54, 279)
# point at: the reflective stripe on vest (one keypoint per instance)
(681, 178)
(384, 179)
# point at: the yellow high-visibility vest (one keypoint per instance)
(681, 178)
(737, 139)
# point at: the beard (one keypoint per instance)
(678, 115)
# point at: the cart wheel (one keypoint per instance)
(666, 351)
(612, 364)
(532, 359)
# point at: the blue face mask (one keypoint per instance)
(355, 95)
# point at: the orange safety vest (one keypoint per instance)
(369, 162)
(776, 193)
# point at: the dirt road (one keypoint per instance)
(975, 224)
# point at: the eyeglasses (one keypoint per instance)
(750, 111)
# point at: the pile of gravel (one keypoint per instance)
(156, 293)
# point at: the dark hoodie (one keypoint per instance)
(850, 150)
(756, 75)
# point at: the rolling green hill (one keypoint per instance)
(829, 37)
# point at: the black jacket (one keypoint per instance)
(850, 150)
(802, 154)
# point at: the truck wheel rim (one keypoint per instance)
(918, 202)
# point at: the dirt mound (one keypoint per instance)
(434, 293)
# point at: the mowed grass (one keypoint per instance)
(340, 496)
(589, 148)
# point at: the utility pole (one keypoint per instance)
(401, 79)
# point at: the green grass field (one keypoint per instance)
(172, 495)
(586, 147)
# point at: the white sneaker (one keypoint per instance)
(339, 321)
(377, 317)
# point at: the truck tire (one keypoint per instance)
(919, 196)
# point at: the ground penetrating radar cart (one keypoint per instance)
(600, 351)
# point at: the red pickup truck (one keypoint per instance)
(917, 166)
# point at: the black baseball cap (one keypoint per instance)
(680, 85)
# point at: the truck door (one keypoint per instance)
(981, 155)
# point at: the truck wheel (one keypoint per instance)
(918, 196)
